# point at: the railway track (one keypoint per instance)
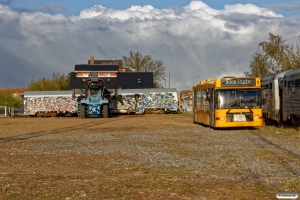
(35, 134)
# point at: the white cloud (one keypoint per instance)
(250, 9)
(194, 40)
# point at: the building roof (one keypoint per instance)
(147, 90)
(116, 62)
(14, 90)
(185, 93)
(97, 67)
(56, 93)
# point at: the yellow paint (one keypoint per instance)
(203, 113)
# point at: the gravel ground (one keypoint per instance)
(142, 157)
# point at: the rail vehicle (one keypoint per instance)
(281, 99)
(271, 86)
(149, 100)
(50, 103)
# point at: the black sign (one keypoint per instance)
(265, 86)
(238, 82)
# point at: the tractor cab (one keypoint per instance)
(94, 103)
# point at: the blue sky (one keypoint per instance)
(192, 38)
(73, 7)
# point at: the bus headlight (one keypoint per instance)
(257, 117)
(220, 118)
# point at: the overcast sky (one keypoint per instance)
(192, 38)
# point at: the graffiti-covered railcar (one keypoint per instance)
(161, 100)
(49, 103)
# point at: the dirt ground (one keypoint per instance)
(152, 156)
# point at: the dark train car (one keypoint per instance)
(291, 99)
(271, 86)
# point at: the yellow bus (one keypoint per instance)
(228, 102)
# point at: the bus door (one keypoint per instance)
(212, 107)
(195, 105)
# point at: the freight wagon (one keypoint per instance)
(139, 101)
(130, 101)
(50, 103)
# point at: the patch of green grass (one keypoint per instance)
(185, 113)
(177, 171)
(276, 130)
(293, 186)
(4, 188)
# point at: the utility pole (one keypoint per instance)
(194, 79)
(169, 80)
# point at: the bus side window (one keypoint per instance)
(208, 96)
(198, 99)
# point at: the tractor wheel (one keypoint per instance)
(105, 111)
(82, 111)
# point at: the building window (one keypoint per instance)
(106, 74)
(139, 80)
(85, 74)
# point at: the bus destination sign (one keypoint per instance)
(238, 82)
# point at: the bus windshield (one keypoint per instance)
(238, 98)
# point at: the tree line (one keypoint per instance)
(56, 82)
(9, 99)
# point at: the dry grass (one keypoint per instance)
(129, 182)
(27, 175)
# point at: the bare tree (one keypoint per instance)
(140, 63)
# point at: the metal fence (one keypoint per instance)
(2, 111)
(9, 111)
